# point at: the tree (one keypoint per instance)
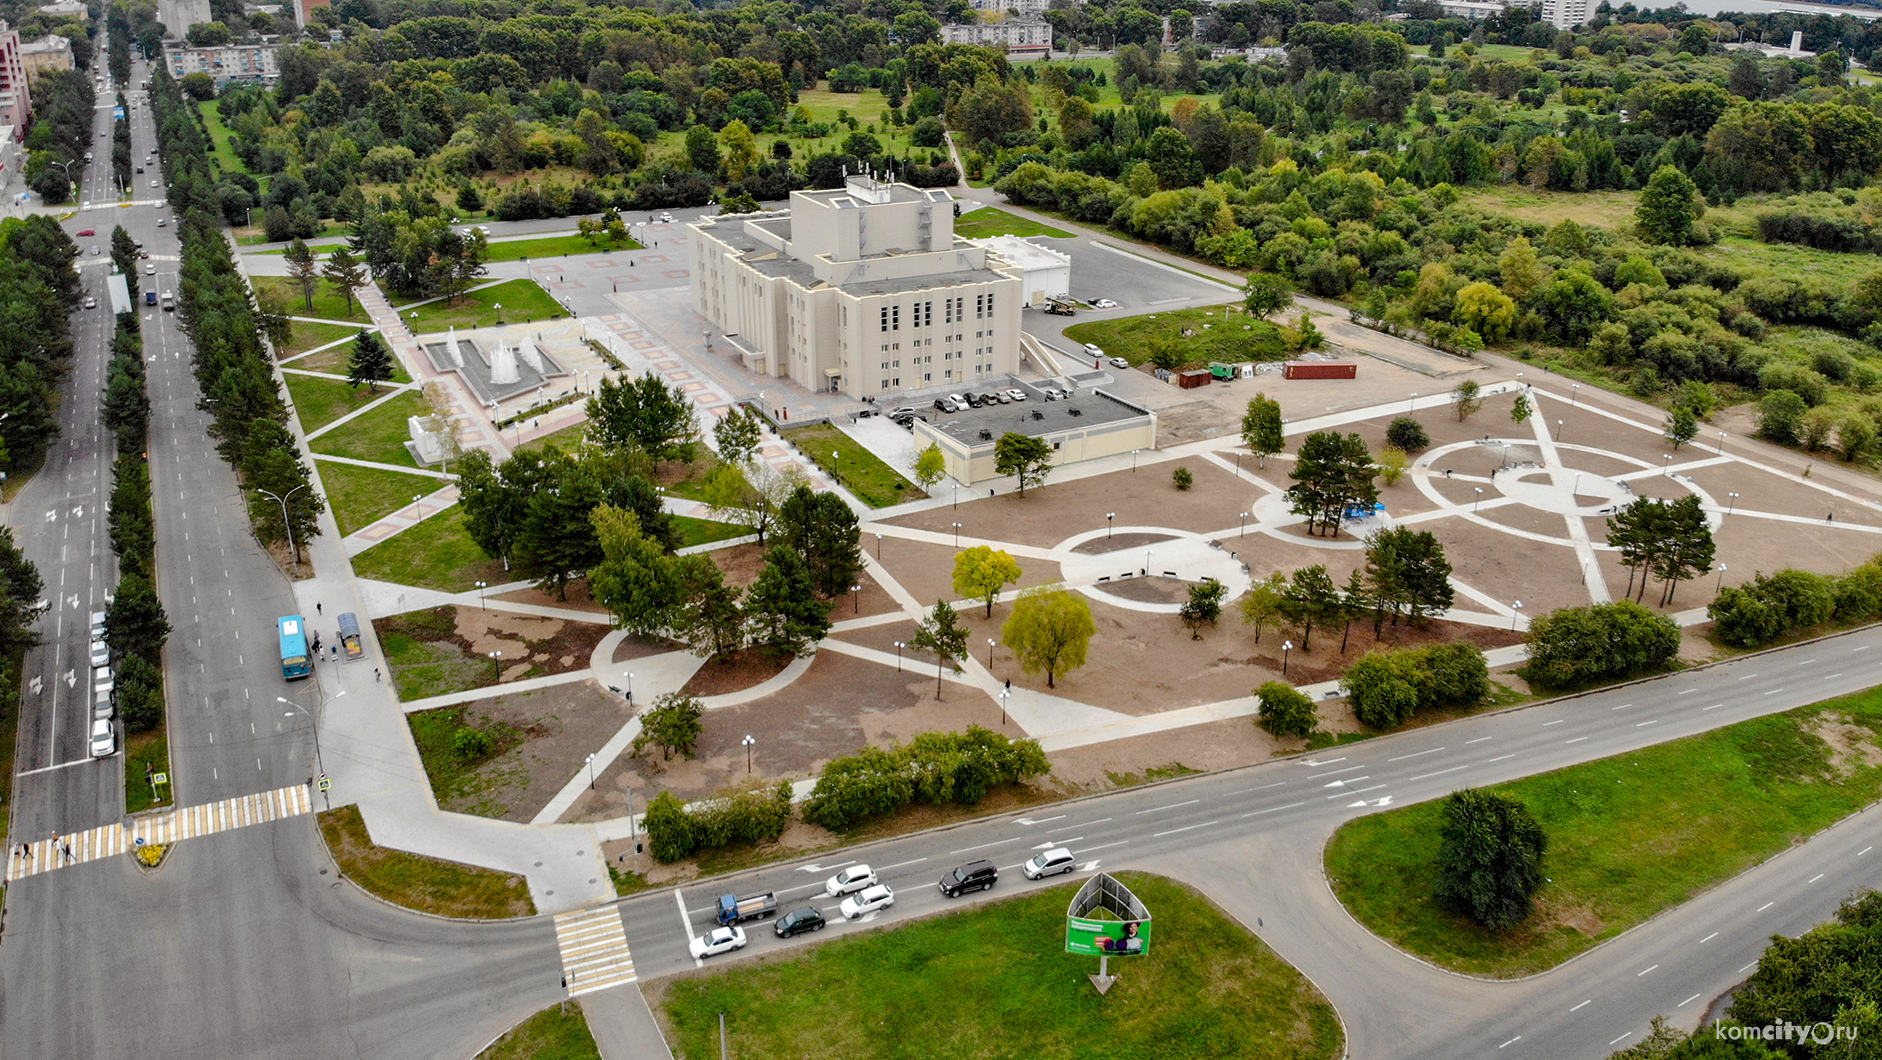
(1204, 606)
(1261, 605)
(671, 724)
(990, 109)
(303, 270)
(981, 573)
(738, 150)
(443, 422)
(1407, 573)
(645, 590)
(1310, 598)
(669, 830)
(281, 473)
(1285, 710)
(371, 362)
(644, 413)
(345, 273)
(1332, 474)
(1024, 457)
(1392, 465)
(1485, 310)
(1668, 208)
(1681, 426)
(134, 622)
(1050, 629)
(1267, 294)
(1855, 436)
(1407, 434)
(942, 634)
(702, 150)
(751, 496)
(1520, 269)
(823, 531)
(1781, 416)
(1262, 427)
(1574, 646)
(1521, 409)
(1490, 858)
(493, 508)
(737, 435)
(1182, 478)
(1672, 541)
(786, 616)
(1465, 396)
(931, 466)
(20, 587)
(271, 316)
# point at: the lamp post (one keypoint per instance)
(878, 548)
(1412, 404)
(1721, 443)
(1730, 503)
(1719, 586)
(957, 502)
(1478, 503)
(856, 598)
(1147, 562)
(314, 724)
(957, 535)
(748, 741)
(498, 306)
(1518, 613)
(630, 687)
(1558, 430)
(1244, 530)
(836, 464)
(1286, 647)
(1574, 394)
(1666, 465)
(1108, 524)
(1005, 693)
(898, 656)
(989, 654)
(287, 523)
(480, 593)
(1134, 453)
(591, 772)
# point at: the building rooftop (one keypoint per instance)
(770, 261)
(1023, 254)
(1085, 408)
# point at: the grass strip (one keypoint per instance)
(359, 496)
(429, 885)
(559, 1032)
(1629, 836)
(705, 531)
(992, 221)
(378, 435)
(435, 554)
(328, 304)
(553, 247)
(144, 754)
(993, 981)
(522, 301)
(320, 401)
(876, 483)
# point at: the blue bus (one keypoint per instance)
(294, 660)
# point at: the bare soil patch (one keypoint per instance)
(1851, 746)
(561, 726)
(734, 671)
(1155, 589)
(578, 598)
(1114, 542)
(634, 646)
(740, 564)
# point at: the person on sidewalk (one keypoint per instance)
(317, 606)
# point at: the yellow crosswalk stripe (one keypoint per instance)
(594, 949)
(188, 822)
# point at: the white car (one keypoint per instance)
(161, 221)
(1119, 362)
(90, 302)
(153, 183)
(150, 268)
(1104, 303)
(850, 880)
(104, 739)
(717, 941)
(868, 900)
(97, 624)
(1049, 863)
(1093, 349)
(1015, 393)
(100, 654)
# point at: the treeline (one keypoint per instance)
(39, 288)
(1771, 606)
(61, 134)
(233, 371)
(135, 624)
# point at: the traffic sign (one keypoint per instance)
(325, 784)
(160, 778)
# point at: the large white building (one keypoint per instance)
(230, 62)
(860, 290)
(1568, 14)
(1031, 34)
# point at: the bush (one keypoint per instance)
(1286, 710)
(1182, 479)
(1407, 434)
(470, 744)
(1388, 687)
(747, 815)
(940, 768)
(1770, 606)
(1576, 645)
(669, 829)
(1490, 863)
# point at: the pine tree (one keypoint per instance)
(371, 362)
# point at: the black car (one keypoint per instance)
(808, 918)
(973, 876)
(975, 401)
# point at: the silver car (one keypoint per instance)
(100, 653)
(104, 739)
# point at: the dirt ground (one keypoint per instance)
(538, 646)
(578, 598)
(565, 724)
(733, 671)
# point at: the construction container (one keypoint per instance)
(1320, 370)
(1195, 377)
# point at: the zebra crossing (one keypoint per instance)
(185, 822)
(594, 950)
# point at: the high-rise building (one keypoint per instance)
(1567, 14)
(860, 290)
(178, 16)
(16, 102)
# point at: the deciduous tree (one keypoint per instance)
(671, 724)
(1050, 629)
(982, 573)
(1285, 710)
(822, 530)
(1262, 428)
(1490, 858)
(942, 634)
(931, 466)
(1024, 457)
(1204, 606)
(737, 435)
(645, 413)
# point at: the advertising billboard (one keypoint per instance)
(1106, 920)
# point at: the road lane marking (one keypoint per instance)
(1069, 827)
(1773, 692)
(1264, 787)
(1624, 706)
(1644, 724)
(1806, 662)
(1688, 1001)
(1274, 809)
(1753, 964)
(1817, 877)
(1480, 739)
(1689, 691)
(1577, 739)
(1714, 706)
(983, 846)
(1186, 828)
(1106, 846)
(1171, 806)
(1500, 759)
(1354, 791)
(1415, 754)
(1644, 971)
(1557, 721)
(1865, 647)
(1863, 851)
(1439, 773)
(900, 865)
(1583, 1005)
(1763, 907)
(1708, 938)
(1330, 772)
(1827, 677)
(1748, 677)
(1621, 1039)
(1511, 1042)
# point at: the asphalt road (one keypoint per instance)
(1252, 839)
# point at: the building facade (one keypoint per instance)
(1086, 426)
(860, 290)
(52, 52)
(231, 62)
(16, 100)
(1567, 14)
(178, 16)
(1031, 34)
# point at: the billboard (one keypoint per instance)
(1106, 920)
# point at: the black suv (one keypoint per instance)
(973, 876)
(796, 923)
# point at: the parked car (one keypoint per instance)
(102, 707)
(975, 401)
(97, 624)
(809, 918)
(104, 739)
(944, 404)
(995, 398)
(100, 653)
(95, 252)
(1015, 393)
(1049, 863)
(907, 420)
(150, 268)
(905, 410)
(717, 941)
(153, 183)
(90, 302)
(1119, 362)
(161, 221)
(736, 910)
(867, 901)
(88, 232)
(850, 880)
(973, 876)
(960, 402)
(1103, 303)
(1092, 348)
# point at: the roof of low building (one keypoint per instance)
(1084, 409)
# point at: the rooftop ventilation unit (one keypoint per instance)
(1038, 415)
(1075, 412)
(986, 435)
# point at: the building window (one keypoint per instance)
(895, 318)
(885, 318)
(885, 384)
(927, 315)
(885, 366)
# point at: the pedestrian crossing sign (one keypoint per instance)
(160, 778)
(325, 784)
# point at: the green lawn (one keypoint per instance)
(552, 247)
(219, 138)
(435, 554)
(361, 495)
(378, 435)
(450, 763)
(328, 305)
(522, 301)
(552, 1034)
(146, 749)
(991, 221)
(335, 361)
(429, 885)
(876, 483)
(1629, 836)
(994, 982)
(321, 401)
(310, 336)
(568, 439)
(702, 531)
(1131, 337)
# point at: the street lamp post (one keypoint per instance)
(480, 593)
(1517, 613)
(748, 741)
(1666, 465)
(878, 548)
(1108, 524)
(1147, 553)
(630, 686)
(1005, 693)
(1719, 586)
(1558, 430)
(856, 599)
(989, 654)
(1574, 394)
(1286, 647)
(286, 522)
(314, 724)
(1412, 404)
(591, 772)
(898, 656)
(957, 535)
(1731, 503)
(1478, 503)
(1134, 453)
(1721, 443)
(1244, 529)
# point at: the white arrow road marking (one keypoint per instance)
(1041, 820)
(825, 868)
(1058, 842)
(1090, 866)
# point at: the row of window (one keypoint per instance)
(921, 314)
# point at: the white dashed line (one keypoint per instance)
(1688, 1001)
(1577, 739)
(1274, 809)
(1557, 721)
(1817, 877)
(1708, 938)
(1511, 1042)
(1415, 754)
(1189, 828)
(1644, 971)
(1480, 739)
(1644, 724)
(1763, 907)
(1583, 1005)
(1499, 759)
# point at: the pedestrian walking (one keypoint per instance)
(317, 607)
(375, 675)
(68, 852)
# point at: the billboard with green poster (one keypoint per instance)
(1106, 920)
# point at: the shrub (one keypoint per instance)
(1407, 434)
(1576, 645)
(669, 829)
(1770, 606)
(744, 815)
(470, 744)
(1490, 861)
(1286, 710)
(1388, 687)
(940, 768)
(1182, 479)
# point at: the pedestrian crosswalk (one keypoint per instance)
(186, 822)
(594, 950)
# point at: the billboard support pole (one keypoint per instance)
(1103, 981)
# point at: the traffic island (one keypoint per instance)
(996, 980)
(427, 885)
